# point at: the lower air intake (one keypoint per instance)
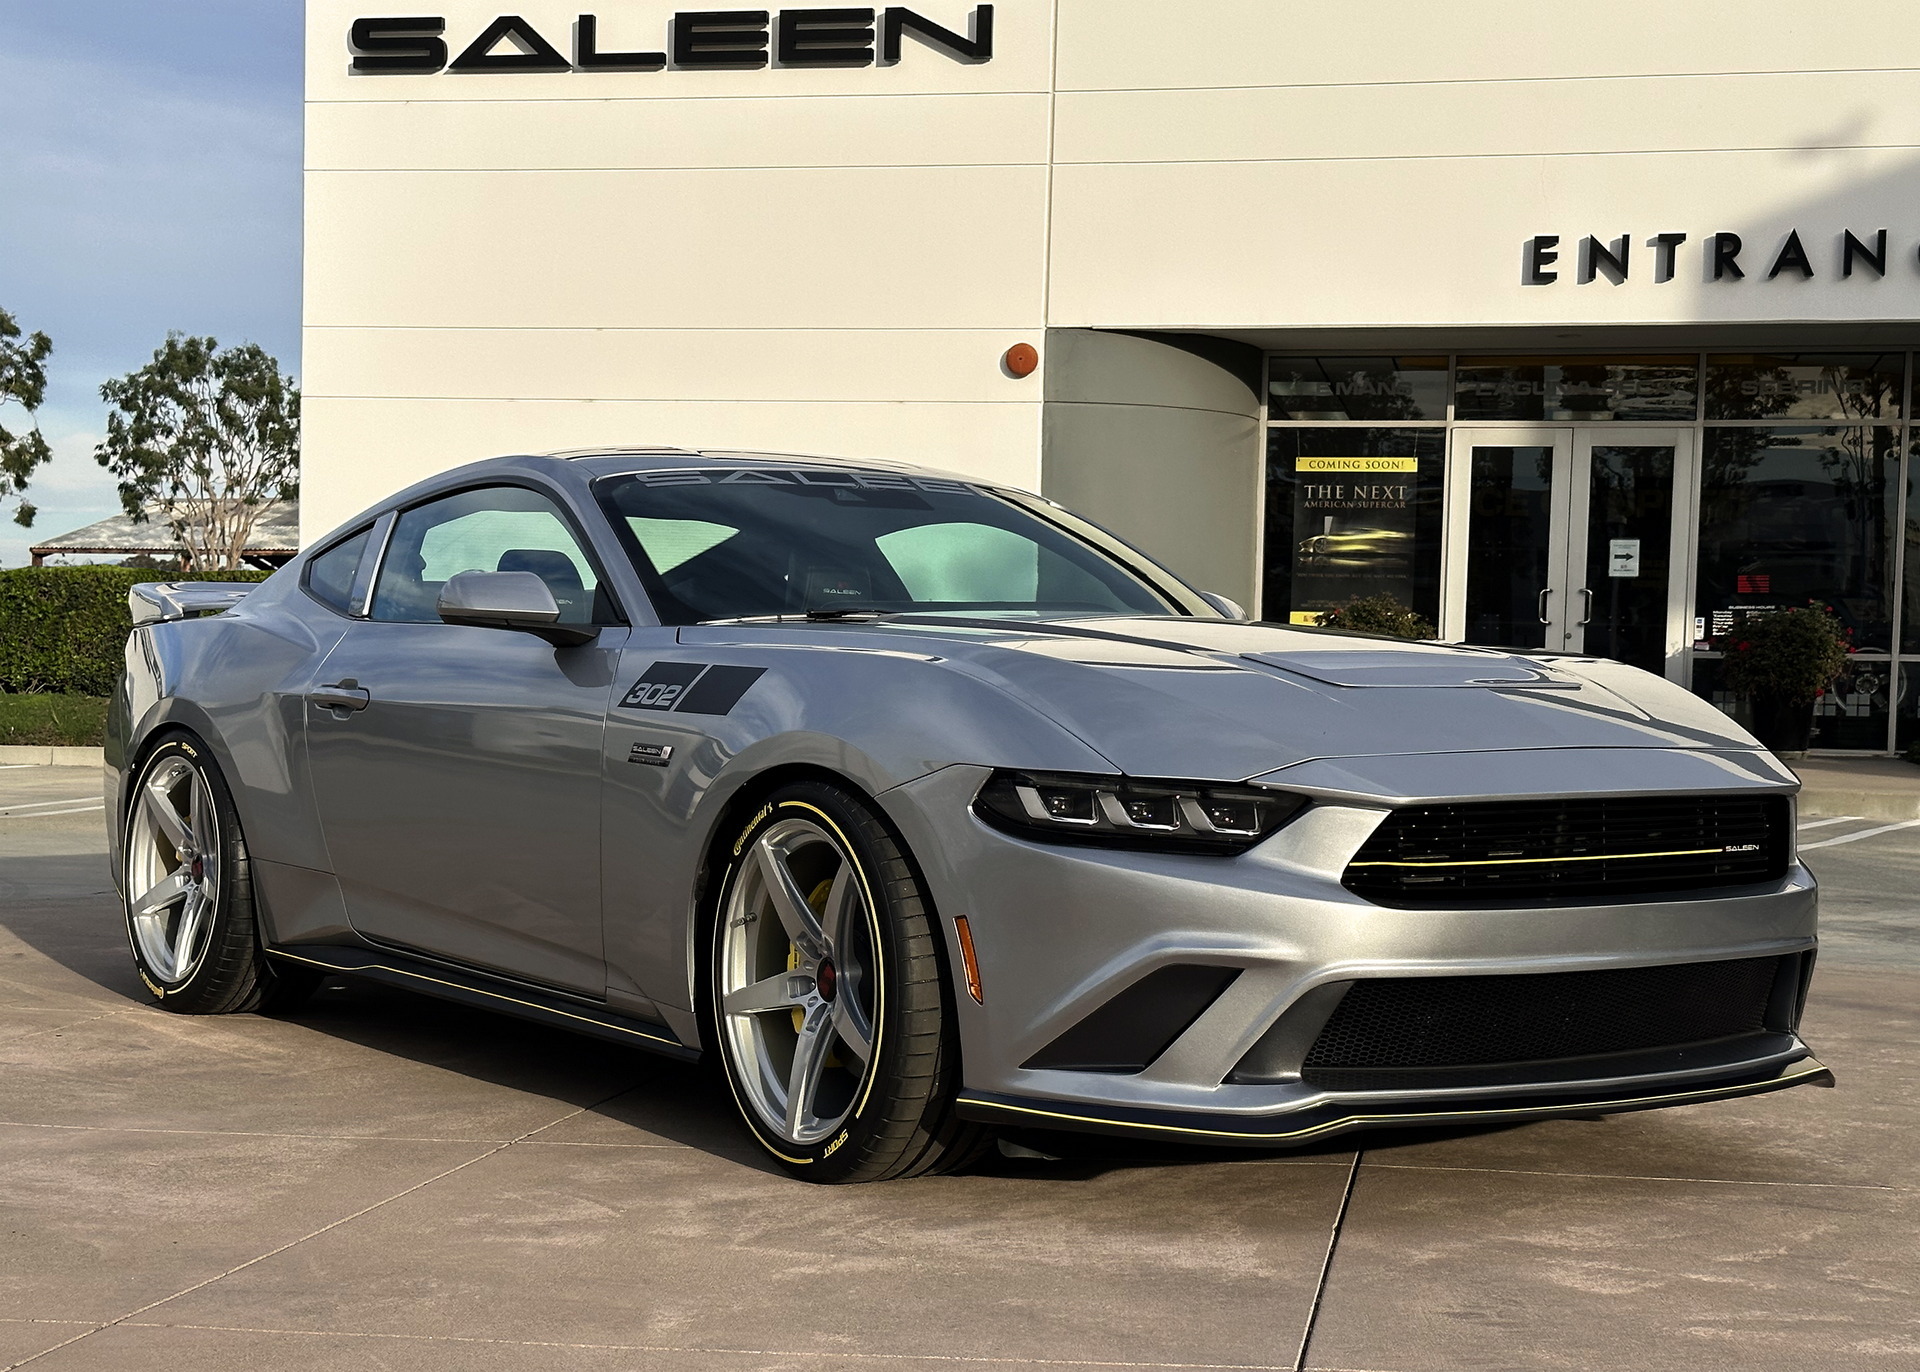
(1409, 1033)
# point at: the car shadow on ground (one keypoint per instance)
(632, 1097)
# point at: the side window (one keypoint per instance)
(330, 575)
(494, 529)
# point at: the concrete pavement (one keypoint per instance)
(384, 1181)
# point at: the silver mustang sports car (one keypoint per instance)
(924, 807)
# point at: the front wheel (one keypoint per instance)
(829, 1007)
(188, 889)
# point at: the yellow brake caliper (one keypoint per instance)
(817, 901)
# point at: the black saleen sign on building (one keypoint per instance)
(417, 46)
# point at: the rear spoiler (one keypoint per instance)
(161, 602)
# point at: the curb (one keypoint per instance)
(1893, 805)
(16, 755)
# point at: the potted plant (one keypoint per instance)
(1783, 661)
(1378, 614)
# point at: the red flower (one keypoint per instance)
(1742, 646)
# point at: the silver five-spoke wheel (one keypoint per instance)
(173, 868)
(797, 981)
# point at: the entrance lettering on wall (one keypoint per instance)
(700, 39)
(1721, 257)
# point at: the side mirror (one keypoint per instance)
(509, 600)
(1230, 608)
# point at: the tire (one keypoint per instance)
(827, 999)
(187, 891)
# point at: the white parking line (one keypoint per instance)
(53, 814)
(50, 804)
(1823, 823)
(1864, 833)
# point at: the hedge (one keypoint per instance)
(65, 628)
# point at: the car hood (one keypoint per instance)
(1217, 700)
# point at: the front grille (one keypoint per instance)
(1582, 851)
(1402, 1033)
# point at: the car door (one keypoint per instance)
(457, 769)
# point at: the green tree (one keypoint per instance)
(23, 382)
(208, 435)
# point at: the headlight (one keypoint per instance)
(1121, 812)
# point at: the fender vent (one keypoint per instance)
(1140, 1023)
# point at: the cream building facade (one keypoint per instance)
(1437, 301)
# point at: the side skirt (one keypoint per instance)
(483, 993)
(1324, 1121)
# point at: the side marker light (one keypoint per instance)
(967, 960)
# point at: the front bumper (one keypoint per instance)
(1059, 932)
(1307, 1124)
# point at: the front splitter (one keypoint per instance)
(1319, 1122)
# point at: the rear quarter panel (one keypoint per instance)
(238, 681)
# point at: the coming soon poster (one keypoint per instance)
(1343, 525)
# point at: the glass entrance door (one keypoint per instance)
(1571, 540)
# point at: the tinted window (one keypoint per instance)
(1648, 389)
(495, 529)
(1789, 515)
(1357, 388)
(1805, 386)
(759, 542)
(330, 575)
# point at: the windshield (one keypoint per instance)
(755, 542)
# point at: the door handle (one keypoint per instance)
(344, 695)
(1543, 606)
(1586, 616)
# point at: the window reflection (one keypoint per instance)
(1357, 388)
(1844, 386)
(1854, 713)
(1789, 515)
(1644, 389)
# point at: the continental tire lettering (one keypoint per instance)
(740, 844)
(151, 985)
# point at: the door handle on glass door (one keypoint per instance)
(1586, 616)
(343, 695)
(1543, 606)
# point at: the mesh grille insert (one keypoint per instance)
(1581, 851)
(1393, 1027)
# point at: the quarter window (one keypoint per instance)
(330, 575)
(494, 529)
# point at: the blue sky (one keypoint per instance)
(149, 180)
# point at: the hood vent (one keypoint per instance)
(1415, 667)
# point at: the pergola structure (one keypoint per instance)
(275, 538)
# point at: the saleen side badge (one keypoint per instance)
(693, 688)
(651, 754)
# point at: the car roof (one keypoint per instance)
(614, 461)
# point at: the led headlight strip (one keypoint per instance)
(1124, 812)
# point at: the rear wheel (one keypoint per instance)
(829, 1005)
(188, 891)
